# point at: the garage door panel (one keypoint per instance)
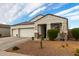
(27, 32)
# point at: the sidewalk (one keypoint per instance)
(4, 53)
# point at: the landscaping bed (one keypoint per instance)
(50, 48)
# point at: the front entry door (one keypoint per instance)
(43, 30)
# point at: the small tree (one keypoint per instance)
(0, 35)
(52, 34)
(75, 33)
(41, 43)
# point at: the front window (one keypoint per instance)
(56, 26)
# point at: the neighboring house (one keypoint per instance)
(4, 30)
(40, 25)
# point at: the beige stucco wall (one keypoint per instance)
(20, 27)
(5, 31)
(34, 19)
(45, 20)
(52, 19)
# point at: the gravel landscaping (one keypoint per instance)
(50, 48)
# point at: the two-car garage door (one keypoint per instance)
(24, 32)
(27, 32)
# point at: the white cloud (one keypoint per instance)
(72, 14)
(69, 14)
(76, 17)
(67, 11)
(59, 5)
(36, 11)
(27, 9)
(44, 7)
(7, 11)
(30, 7)
(74, 26)
(4, 8)
(10, 12)
(13, 12)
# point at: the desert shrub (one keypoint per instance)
(75, 33)
(77, 52)
(52, 34)
(15, 48)
(32, 38)
(63, 46)
(67, 45)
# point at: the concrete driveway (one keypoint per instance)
(8, 42)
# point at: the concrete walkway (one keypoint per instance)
(8, 42)
(4, 53)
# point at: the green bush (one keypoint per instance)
(75, 33)
(15, 48)
(77, 52)
(52, 34)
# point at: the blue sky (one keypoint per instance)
(14, 13)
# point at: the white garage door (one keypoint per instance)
(15, 32)
(29, 32)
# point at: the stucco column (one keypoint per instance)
(64, 30)
(36, 31)
(39, 30)
(61, 28)
(18, 32)
(11, 32)
(48, 27)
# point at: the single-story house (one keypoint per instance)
(4, 30)
(40, 24)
